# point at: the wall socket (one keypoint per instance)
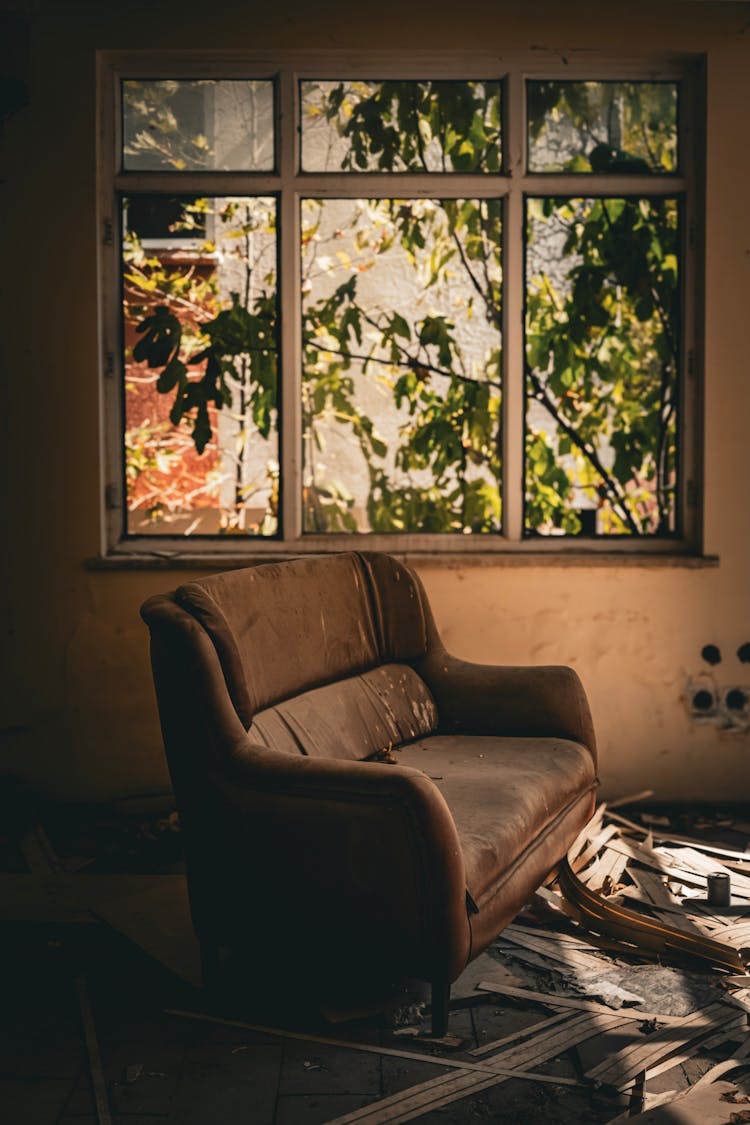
(728, 707)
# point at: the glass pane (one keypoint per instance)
(602, 346)
(401, 386)
(401, 126)
(200, 363)
(610, 127)
(201, 125)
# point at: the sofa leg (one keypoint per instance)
(209, 963)
(441, 994)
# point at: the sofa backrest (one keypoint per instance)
(304, 647)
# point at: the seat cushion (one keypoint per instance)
(502, 792)
(353, 718)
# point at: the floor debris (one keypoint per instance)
(98, 1082)
(570, 1011)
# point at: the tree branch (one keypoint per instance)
(613, 487)
(408, 363)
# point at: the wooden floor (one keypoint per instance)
(103, 1021)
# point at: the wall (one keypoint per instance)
(78, 713)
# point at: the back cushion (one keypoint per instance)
(354, 718)
(397, 607)
(283, 628)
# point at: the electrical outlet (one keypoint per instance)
(702, 698)
(734, 707)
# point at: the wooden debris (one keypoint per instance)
(631, 799)
(488, 1066)
(37, 851)
(98, 1081)
(441, 1091)
(675, 838)
(696, 1106)
(610, 918)
(522, 1033)
(620, 1069)
(157, 919)
(733, 1029)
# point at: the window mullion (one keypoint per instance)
(291, 323)
(513, 306)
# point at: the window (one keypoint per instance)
(430, 310)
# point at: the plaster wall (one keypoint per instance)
(78, 714)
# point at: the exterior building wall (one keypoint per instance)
(79, 717)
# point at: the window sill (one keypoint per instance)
(433, 559)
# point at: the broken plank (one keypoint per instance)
(157, 920)
(37, 851)
(694, 1106)
(625, 1065)
(631, 799)
(588, 831)
(609, 865)
(598, 914)
(729, 1031)
(594, 845)
(435, 1093)
(548, 947)
(675, 838)
(96, 1073)
(69, 898)
(577, 1029)
(522, 1033)
(485, 1067)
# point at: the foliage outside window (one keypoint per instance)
(397, 374)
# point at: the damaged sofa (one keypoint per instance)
(285, 692)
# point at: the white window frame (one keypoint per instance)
(289, 185)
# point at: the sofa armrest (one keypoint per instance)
(535, 701)
(370, 849)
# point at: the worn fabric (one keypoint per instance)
(503, 793)
(352, 719)
(284, 628)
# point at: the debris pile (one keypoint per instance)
(631, 893)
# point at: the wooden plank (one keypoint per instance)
(691, 860)
(609, 864)
(577, 1029)
(621, 1068)
(632, 799)
(98, 1081)
(729, 1031)
(485, 1067)
(548, 947)
(522, 1033)
(157, 919)
(601, 915)
(588, 831)
(675, 838)
(695, 1106)
(69, 898)
(38, 852)
(594, 846)
(428, 1096)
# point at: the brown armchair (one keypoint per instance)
(279, 689)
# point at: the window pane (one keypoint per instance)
(401, 388)
(615, 127)
(200, 337)
(189, 126)
(602, 346)
(400, 126)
